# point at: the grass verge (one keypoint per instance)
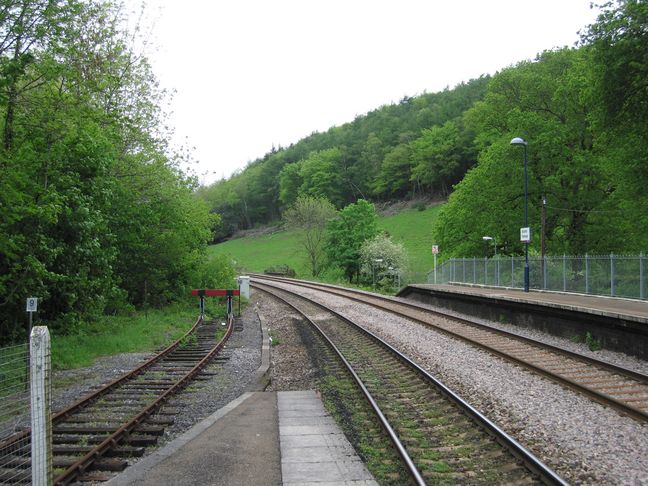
(140, 332)
(411, 227)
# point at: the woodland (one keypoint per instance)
(95, 215)
(582, 110)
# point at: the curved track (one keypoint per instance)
(94, 436)
(623, 389)
(440, 438)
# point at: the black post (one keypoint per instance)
(526, 221)
(201, 293)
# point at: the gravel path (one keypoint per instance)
(583, 441)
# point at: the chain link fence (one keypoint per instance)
(25, 420)
(613, 275)
(14, 414)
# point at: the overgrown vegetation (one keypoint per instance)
(141, 332)
(95, 215)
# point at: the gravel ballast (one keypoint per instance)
(585, 442)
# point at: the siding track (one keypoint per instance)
(93, 438)
(441, 438)
(614, 386)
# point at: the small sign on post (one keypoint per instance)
(525, 235)
(32, 304)
(435, 251)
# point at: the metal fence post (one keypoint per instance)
(564, 273)
(587, 289)
(485, 271)
(497, 269)
(612, 289)
(41, 423)
(545, 273)
(512, 271)
(642, 294)
(463, 266)
(474, 270)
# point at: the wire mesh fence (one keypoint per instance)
(612, 275)
(15, 444)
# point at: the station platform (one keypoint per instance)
(632, 309)
(619, 324)
(261, 438)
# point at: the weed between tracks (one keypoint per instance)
(345, 402)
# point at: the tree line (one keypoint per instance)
(582, 110)
(95, 214)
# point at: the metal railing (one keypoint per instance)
(613, 275)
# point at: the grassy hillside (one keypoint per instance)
(410, 227)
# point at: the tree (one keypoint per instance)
(290, 181)
(393, 179)
(391, 256)
(546, 102)
(440, 157)
(354, 224)
(311, 215)
(321, 176)
(95, 213)
(619, 41)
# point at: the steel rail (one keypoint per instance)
(603, 398)
(530, 460)
(402, 452)
(83, 464)
(412, 305)
(84, 401)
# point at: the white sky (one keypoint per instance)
(250, 74)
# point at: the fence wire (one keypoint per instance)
(15, 445)
(613, 275)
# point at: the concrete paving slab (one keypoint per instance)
(317, 420)
(333, 440)
(313, 449)
(302, 454)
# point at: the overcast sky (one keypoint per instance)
(253, 74)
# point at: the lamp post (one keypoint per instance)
(490, 238)
(526, 231)
(497, 272)
(373, 269)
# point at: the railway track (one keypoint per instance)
(624, 390)
(440, 438)
(93, 438)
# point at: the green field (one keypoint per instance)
(410, 227)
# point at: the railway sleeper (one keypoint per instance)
(58, 439)
(15, 476)
(102, 463)
(141, 440)
(148, 429)
(120, 451)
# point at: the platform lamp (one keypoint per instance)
(490, 238)
(373, 269)
(497, 267)
(525, 231)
